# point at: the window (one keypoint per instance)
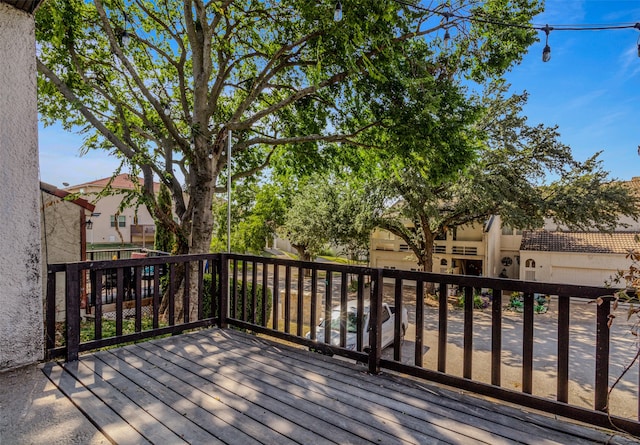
(530, 263)
(385, 315)
(506, 230)
(442, 236)
(404, 248)
(443, 262)
(122, 220)
(530, 270)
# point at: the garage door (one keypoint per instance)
(579, 276)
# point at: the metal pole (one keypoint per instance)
(229, 192)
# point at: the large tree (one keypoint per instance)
(257, 210)
(328, 208)
(522, 173)
(160, 84)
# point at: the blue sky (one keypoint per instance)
(590, 88)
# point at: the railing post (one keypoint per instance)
(563, 348)
(397, 321)
(223, 304)
(375, 315)
(51, 311)
(442, 327)
(602, 355)
(496, 337)
(72, 311)
(467, 356)
(527, 344)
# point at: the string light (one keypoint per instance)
(337, 13)
(447, 36)
(126, 38)
(546, 52)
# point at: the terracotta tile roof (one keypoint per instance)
(634, 184)
(122, 181)
(586, 242)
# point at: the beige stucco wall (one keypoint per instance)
(492, 266)
(21, 320)
(573, 268)
(61, 241)
(102, 232)
(389, 251)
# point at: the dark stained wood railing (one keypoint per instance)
(285, 298)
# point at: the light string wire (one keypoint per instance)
(516, 25)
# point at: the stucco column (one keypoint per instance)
(21, 322)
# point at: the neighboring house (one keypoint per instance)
(63, 226)
(587, 258)
(110, 223)
(553, 254)
(462, 250)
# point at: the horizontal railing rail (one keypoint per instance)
(298, 301)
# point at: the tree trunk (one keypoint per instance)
(425, 259)
(303, 255)
(195, 236)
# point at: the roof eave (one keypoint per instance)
(29, 6)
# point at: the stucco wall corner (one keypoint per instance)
(21, 319)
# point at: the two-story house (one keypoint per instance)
(552, 254)
(111, 221)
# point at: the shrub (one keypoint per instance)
(206, 302)
(480, 301)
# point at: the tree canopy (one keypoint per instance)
(522, 173)
(161, 85)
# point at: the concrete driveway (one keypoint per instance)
(624, 399)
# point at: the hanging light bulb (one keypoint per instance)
(337, 13)
(126, 38)
(447, 38)
(166, 108)
(546, 52)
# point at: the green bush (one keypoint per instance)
(480, 301)
(206, 302)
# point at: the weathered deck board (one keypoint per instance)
(424, 409)
(362, 404)
(100, 414)
(218, 386)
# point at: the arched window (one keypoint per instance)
(530, 263)
(530, 270)
(443, 262)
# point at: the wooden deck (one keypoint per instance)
(215, 387)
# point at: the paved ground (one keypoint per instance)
(624, 399)
(34, 411)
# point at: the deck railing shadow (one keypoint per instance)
(285, 299)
